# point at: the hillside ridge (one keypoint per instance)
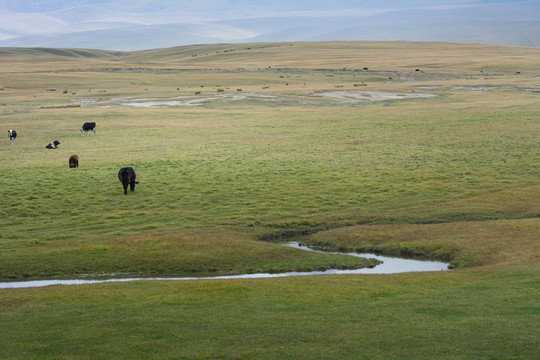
(307, 55)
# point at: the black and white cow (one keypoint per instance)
(12, 136)
(127, 177)
(53, 145)
(87, 126)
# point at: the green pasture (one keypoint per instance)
(452, 177)
(488, 314)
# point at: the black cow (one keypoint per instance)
(87, 126)
(12, 136)
(53, 145)
(127, 176)
(73, 161)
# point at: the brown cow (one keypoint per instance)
(127, 177)
(73, 161)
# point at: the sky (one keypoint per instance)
(146, 24)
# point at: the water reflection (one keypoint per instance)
(390, 265)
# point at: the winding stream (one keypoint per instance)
(390, 265)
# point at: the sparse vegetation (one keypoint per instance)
(60, 106)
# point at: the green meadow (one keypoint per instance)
(429, 150)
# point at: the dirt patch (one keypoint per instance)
(189, 100)
(363, 96)
(474, 88)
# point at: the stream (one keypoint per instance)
(389, 265)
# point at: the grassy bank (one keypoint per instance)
(466, 244)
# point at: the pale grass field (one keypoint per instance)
(453, 177)
(470, 107)
(387, 56)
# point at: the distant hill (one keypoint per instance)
(375, 55)
(514, 23)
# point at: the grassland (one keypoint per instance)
(454, 176)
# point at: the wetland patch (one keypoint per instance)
(343, 97)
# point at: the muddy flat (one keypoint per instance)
(345, 97)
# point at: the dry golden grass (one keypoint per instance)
(388, 56)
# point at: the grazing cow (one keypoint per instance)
(127, 176)
(87, 126)
(12, 136)
(73, 161)
(53, 145)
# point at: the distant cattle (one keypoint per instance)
(12, 135)
(127, 177)
(87, 126)
(73, 161)
(53, 145)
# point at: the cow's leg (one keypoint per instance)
(132, 185)
(94, 131)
